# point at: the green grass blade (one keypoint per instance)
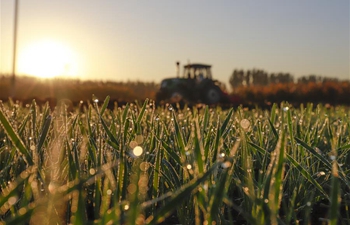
(33, 112)
(20, 218)
(198, 149)
(219, 193)
(156, 174)
(125, 112)
(215, 149)
(314, 152)
(23, 125)
(276, 183)
(273, 129)
(105, 105)
(43, 134)
(226, 121)
(306, 174)
(12, 190)
(206, 117)
(78, 208)
(16, 140)
(273, 114)
(110, 135)
(142, 112)
(179, 137)
(334, 195)
(326, 162)
(174, 175)
(178, 197)
(171, 152)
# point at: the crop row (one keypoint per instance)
(142, 164)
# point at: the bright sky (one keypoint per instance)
(128, 40)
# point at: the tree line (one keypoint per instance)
(257, 77)
(254, 87)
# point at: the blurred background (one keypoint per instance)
(133, 42)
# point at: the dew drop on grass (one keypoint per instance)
(126, 207)
(285, 108)
(246, 190)
(137, 151)
(22, 211)
(52, 187)
(12, 200)
(245, 124)
(321, 173)
(266, 200)
(144, 166)
(205, 187)
(109, 192)
(189, 166)
(308, 204)
(131, 188)
(92, 171)
(96, 100)
(318, 150)
(133, 144)
(226, 164)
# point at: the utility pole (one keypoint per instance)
(14, 59)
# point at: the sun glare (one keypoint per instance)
(47, 59)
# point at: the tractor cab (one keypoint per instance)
(194, 86)
(195, 71)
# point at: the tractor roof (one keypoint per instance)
(196, 66)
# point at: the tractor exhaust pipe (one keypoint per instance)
(178, 69)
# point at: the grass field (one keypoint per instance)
(142, 164)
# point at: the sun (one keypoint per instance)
(47, 59)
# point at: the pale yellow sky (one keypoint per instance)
(126, 40)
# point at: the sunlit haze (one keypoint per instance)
(129, 40)
(47, 59)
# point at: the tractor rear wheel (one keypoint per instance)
(212, 95)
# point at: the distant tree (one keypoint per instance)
(236, 79)
(273, 79)
(259, 77)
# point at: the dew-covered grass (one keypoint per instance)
(142, 164)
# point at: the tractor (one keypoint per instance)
(195, 86)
